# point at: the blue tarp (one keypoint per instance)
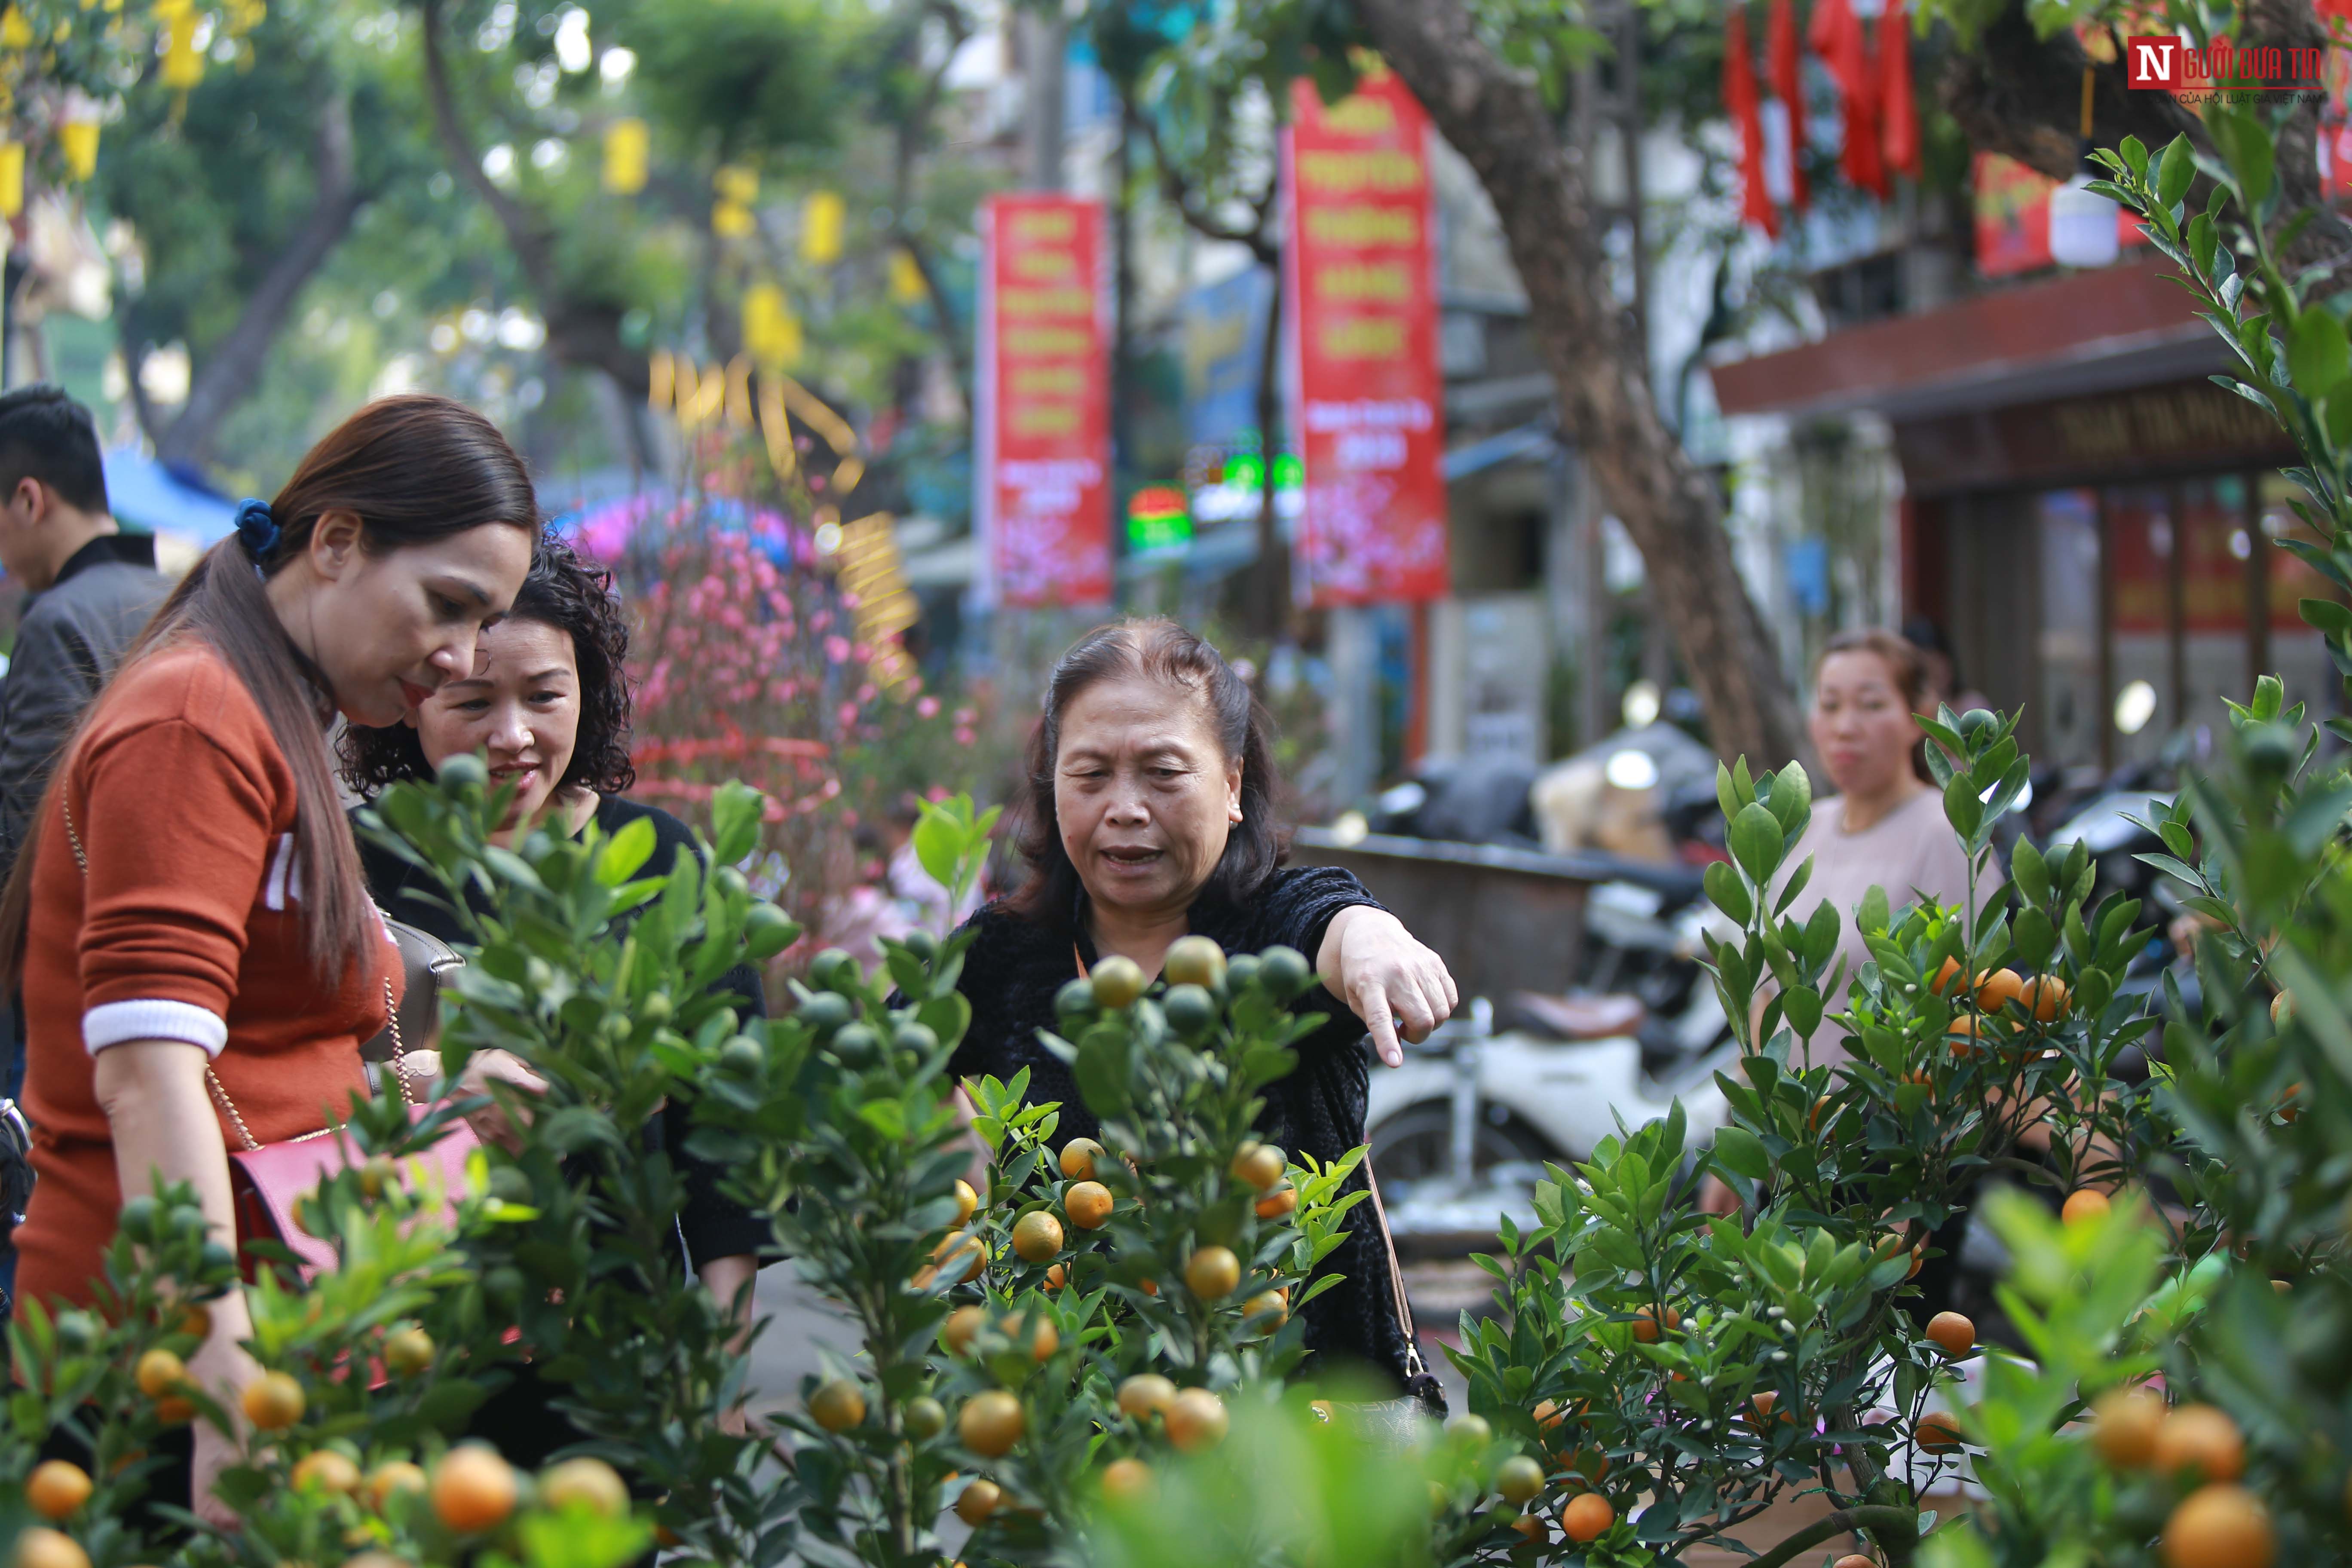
(146, 496)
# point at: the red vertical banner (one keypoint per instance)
(1042, 484)
(1367, 399)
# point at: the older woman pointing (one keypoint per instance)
(1149, 816)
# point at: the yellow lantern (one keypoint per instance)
(15, 32)
(906, 278)
(736, 184)
(731, 220)
(821, 223)
(183, 66)
(12, 178)
(78, 139)
(625, 144)
(771, 332)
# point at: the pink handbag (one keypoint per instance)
(265, 1180)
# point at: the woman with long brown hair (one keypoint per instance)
(199, 958)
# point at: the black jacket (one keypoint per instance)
(712, 1225)
(1015, 967)
(70, 639)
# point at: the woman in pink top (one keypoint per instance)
(1884, 827)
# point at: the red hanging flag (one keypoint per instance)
(1836, 36)
(1898, 106)
(1784, 65)
(1747, 116)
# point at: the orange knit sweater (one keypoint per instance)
(188, 926)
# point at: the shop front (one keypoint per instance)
(2111, 561)
(2092, 523)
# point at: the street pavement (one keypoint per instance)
(800, 1331)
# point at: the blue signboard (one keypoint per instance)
(1224, 326)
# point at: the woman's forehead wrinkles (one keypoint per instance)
(1127, 743)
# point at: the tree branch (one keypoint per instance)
(1897, 1531)
(1494, 116)
(913, 132)
(579, 332)
(1180, 195)
(235, 363)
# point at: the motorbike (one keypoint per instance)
(1474, 1105)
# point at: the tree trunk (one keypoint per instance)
(232, 367)
(579, 332)
(1267, 599)
(1495, 116)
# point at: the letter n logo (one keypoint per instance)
(2153, 61)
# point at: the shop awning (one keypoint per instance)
(2126, 325)
(148, 498)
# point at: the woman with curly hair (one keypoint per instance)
(548, 704)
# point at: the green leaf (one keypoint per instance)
(2204, 239)
(1792, 799)
(2336, 417)
(1741, 1151)
(2036, 937)
(1795, 885)
(1727, 892)
(1756, 842)
(2030, 872)
(2245, 146)
(2316, 354)
(1821, 934)
(2330, 618)
(938, 845)
(1804, 1005)
(624, 852)
(2316, 817)
(2174, 174)
(1962, 809)
(1103, 1070)
(1871, 915)
(736, 812)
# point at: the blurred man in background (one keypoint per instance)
(89, 587)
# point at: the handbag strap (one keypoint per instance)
(212, 1079)
(1413, 1365)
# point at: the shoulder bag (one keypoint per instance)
(265, 1180)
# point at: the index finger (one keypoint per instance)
(1371, 1005)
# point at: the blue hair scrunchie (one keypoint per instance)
(256, 529)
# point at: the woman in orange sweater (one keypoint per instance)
(193, 898)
